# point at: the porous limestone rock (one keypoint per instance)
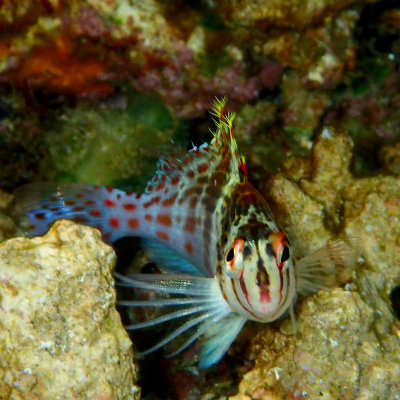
(60, 334)
(348, 341)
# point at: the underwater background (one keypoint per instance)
(95, 91)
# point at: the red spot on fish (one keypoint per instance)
(193, 202)
(175, 180)
(133, 223)
(196, 151)
(160, 186)
(109, 189)
(79, 219)
(79, 195)
(106, 235)
(190, 174)
(54, 199)
(189, 224)
(40, 216)
(188, 159)
(152, 201)
(164, 219)
(138, 196)
(95, 213)
(163, 235)
(189, 247)
(89, 202)
(118, 196)
(129, 207)
(148, 217)
(149, 188)
(202, 167)
(69, 203)
(114, 222)
(165, 168)
(96, 187)
(109, 203)
(78, 209)
(168, 202)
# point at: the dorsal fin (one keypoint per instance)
(181, 163)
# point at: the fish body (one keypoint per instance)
(225, 259)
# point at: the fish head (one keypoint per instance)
(259, 280)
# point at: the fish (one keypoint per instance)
(224, 260)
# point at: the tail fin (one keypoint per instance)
(44, 203)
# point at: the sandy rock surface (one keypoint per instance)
(60, 335)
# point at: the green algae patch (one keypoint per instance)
(104, 146)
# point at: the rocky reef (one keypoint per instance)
(61, 336)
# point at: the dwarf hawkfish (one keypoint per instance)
(224, 258)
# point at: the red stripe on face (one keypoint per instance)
(239, 301)
(244, 288)
(265, 296)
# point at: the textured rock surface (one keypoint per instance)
(60, 335)
(348, 346)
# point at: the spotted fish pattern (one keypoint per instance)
(224, 257)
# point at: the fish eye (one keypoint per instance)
(230, 254)
(280, 244)
(285, 253)
(234, 259)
